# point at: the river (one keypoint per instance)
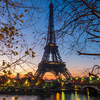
(55, 96)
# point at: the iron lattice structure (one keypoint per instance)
(51, 60)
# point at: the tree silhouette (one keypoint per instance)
(15, 16)
(79, 21)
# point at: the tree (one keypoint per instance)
(29, 75)
(15, 16)
(79, 21)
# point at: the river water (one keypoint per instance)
(55, 96)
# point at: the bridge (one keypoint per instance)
(82, 86)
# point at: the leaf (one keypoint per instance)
(22, 21)
(5, 28)
(15, 8)
(21, 35)
(16, 53)
(8, 41)
(1, 36)
(21, 15)
(2, 29)
(17, 3)
(4, 71)
(11, 34)
(8, 45)
(33, 52)
(7, 33)
(3, 63)
(12, 4)
(13, 27)
(44, 38)
(33, 55)
(14, 23)
(12, 46)
(26, 52)
(8, 65)
(30, 49)
(9, 73)
(12, 38)
(15, 16)
(13, 52)
(16, 33)
(25, 10)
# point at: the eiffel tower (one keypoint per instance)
(51, 60)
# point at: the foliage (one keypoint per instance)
(15, 16)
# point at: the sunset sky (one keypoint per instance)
(74, 63)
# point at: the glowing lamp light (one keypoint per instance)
(76, 78)
(81, 81)
(90, 78)
(26, 83)
(36, 83)
(14, 80)
(8, 82)
(62, 79)
(97, 79)
(57, 77)
(73, 81)
(43, 86)
(33, 78)
(62, 83)
(51, 84)
(82, 78)
(46, 84)
(58, 80)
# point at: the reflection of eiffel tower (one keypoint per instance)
(51, 60)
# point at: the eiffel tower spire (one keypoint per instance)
(51, 34)
(51, 60)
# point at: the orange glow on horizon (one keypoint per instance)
(47, 76)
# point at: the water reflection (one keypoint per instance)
(88, 94)
(72, 96)
(63, 96)
(76, 96)
(12, 98)
(56, 96)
